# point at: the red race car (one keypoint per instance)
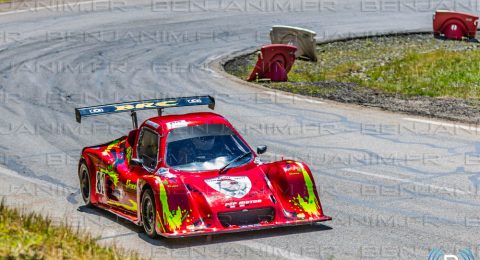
(192, 174)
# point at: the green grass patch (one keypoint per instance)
(32, 236)
(413, 65)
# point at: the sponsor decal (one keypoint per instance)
(152, 124)
(130, 185)
(95, 110)
(177, 124)
(162, 171)
(248, 202)
(243, 203)
(236, 187)
(145, 105)
(194, 101)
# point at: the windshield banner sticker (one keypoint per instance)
(236, 187)
(177, 124)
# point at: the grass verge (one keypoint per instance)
(414, 74)
(32, 236)
(411, 65)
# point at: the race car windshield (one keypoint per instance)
(204, 147)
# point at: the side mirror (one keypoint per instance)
(136, 162)
(261, 149)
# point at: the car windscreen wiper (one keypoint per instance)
(225, 168)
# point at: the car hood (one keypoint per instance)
(239, 188)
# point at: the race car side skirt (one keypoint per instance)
(120, 213)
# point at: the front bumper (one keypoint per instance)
(214, 231)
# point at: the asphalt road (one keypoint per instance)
(396, 185)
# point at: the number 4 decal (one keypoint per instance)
(100, 186)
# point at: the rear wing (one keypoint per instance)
(133, 106)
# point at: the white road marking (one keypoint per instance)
(407, 181)
(207, 67)
(458, 126)
(294, 97)
(273, 251)
(36, 9)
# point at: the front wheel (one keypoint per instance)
(84, 175)
(149, 219)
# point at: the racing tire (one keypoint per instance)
(148, 213)
(85, 189)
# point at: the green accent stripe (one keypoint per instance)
(310, 203)
(174, 218)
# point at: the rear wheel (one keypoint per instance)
(149, 210)
(84, 175)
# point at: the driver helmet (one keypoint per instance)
(204, 143)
